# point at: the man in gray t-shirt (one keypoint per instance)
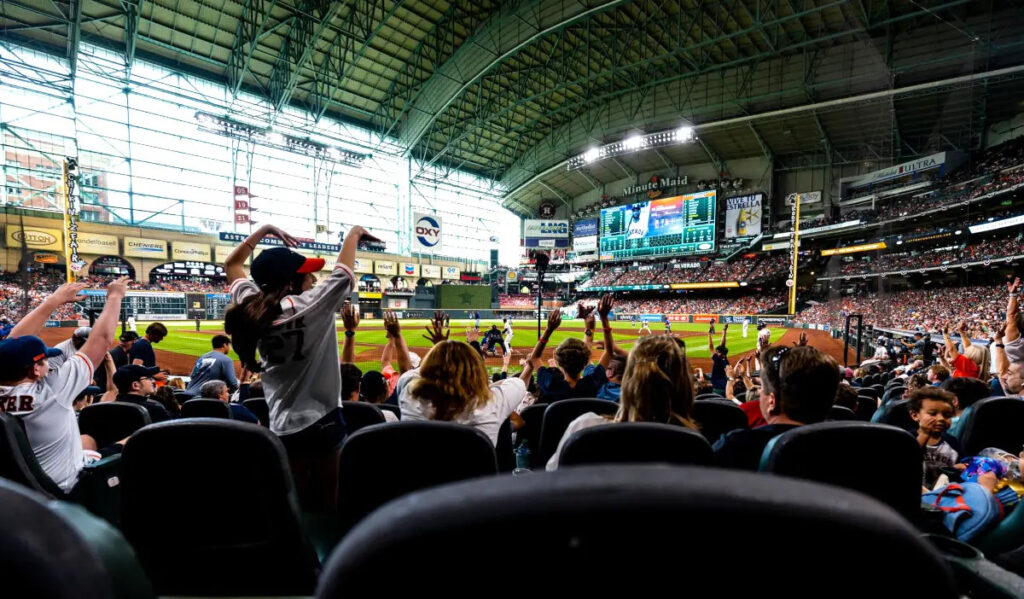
(214, 366)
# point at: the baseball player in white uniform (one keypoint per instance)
(638, 222)
(506, 335)
(764, 336)
(746, 325)
(43, 398)
(131, 324)
(645, 329)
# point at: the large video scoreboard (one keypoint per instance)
(680, 225)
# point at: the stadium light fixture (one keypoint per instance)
(632, 143)
(256, 134)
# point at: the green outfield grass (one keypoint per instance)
(183, 338)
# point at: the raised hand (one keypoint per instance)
(472, 335)
(281, 234)
(803, 340)
(605, 305)
(554, 320)
(361, 233)
(589, 322)
(436, 332)
(350, 317)
(69, 293)
(584, 312)
(1014, 286)
(391, 325)
(118, 287)
(505, 359)
(725, 328)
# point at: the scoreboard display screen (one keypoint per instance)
(142, 305)
(676, 226)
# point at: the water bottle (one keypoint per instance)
(522, 459)
(1012, 462)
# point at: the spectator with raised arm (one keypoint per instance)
(1012, 340)
(43, 399)
(719, 359)
(607, 374)
(565, 379)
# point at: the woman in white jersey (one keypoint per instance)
(292, 324)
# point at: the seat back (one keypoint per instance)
(876, 459)
(841, 413)
(635, 442)
(18, 462)
(360, 414)
(259, 407)
(709, 396)
(870, 392)
(717, 417)
(879, 388)
(866, 407)
(391, 408)
(503, 449)
(578, 517)
(111, 422)
(210, 507)
(206, 408)
(37, 547)
(992, 422)
(380, 463)
(533, 419)
(895, 413)
(557, 418)
(894, 392)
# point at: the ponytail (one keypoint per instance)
(657, 385)
(649, 382)
(249, 321)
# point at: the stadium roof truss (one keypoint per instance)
(510, 89)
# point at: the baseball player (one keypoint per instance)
(645, 329)
(506, 335)
(764, 336)
(43, 398)
(638, 223)
(746, 324)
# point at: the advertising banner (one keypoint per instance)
(853, 249)
(711, 285)
(743, 216)
(545, 229)
(408, 269)
(677, 317)
(585, 228)
(426, 232)
(383, 267)
(430, 271)
(450, 272)
(35, 237)
(705, 318)
(363, 266)
(140, 247)
(585, 244)
(96, 244)
(184, 250)
(807, 197)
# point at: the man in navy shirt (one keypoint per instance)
(142, 351)
(214, 365)
(798, 386)
(719, 360)
(135, 385)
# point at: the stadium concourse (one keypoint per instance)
(306, 298)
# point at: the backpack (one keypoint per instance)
(969, 508)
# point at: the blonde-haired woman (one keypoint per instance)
(972, 363)
(452, 385)
(656, 387)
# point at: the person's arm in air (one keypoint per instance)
(105, 327)
(394, 331)
(604, 308)
(347, 255)
(34, 321)
(965, 337)
(110, 393)
(236, 259)
(554, 320)
(387, 355)
(436, 332)
(711, 341)
(730, 374)
(350, 320)
(950, 346)
(1012, 307)
(999, 358)
(725, 330)
(588, 328)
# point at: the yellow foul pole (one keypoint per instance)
(794, 253)
(66, 192)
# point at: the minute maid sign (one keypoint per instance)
(426, 232)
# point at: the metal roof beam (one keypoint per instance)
(299, 47)
(765, 148)
(558, 194)
(255, 15)
(589, 179)
(132, 9)
(504, 35)
(74, 36)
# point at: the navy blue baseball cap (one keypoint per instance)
(126, 375)
(25, 351)
(276, 266)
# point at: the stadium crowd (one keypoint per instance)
(749, 304)
(976, 252)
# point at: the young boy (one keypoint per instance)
(932, 409)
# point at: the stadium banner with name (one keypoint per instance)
(705, 318)
(97, 244)
(652, 317)
(363, 266)
(450, 272)
(36, 238)
(370, 295)
(430, 271)
(545, 229)
(585, 228)
(853, 249)
(185, 250)
(677, 317)
(383, 267)
(743, 216)
(901, 170)
(776, 245)
(426, 232)
(686, 265)
(807, 197)
(408, 269)
(999, 224)
(709, 285)
(585, 244)
(304, 244)
(221, 253)
(140, 247)
(822, 229)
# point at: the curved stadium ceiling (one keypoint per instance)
(510, 90)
